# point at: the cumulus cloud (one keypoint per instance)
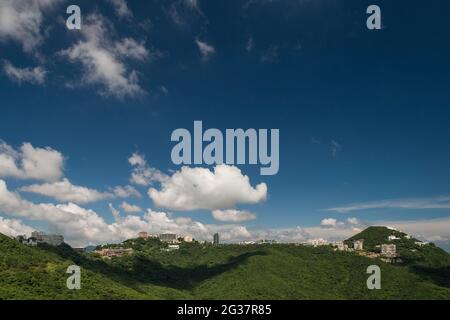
(65, 191)
(14, 227)
(142, 173)
(21, 21)
(233, 215)
(103, 60)
(30, 163)
(34, 75)
(126, 192)
(206, 50)
(121, 8)
(81, 226)
(200, 188)
(334, 223)
(328, 223)
(130, 208)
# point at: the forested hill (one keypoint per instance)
(198, 271)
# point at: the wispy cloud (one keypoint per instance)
(206, 50)
(440, 202)
(34, 75)
(335, 147)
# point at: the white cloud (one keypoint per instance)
(143, 174)
(126, 192)
(328, 223)
(22, 75)
(22, 21)
(114, 211)
(130, 48)
(200, 188)
(130, 208)
(440, 202)
(65, 191)
(233, 215)
(353, 221)
(14, 227)
(426, 229)
(82, 226)
(121, 9)
(30, 163)
(206, 50)
(103, 64)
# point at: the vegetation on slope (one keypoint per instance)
(206, 272)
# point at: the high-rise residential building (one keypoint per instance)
(216, 239)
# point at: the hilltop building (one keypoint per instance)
(143, 235)
(358, 244)
(168, 237)
(216, 239)
(390, 238)
(51, 239)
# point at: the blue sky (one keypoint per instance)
(363, 115)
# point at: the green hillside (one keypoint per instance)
(206, 272)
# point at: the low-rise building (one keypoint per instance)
(392, 237)
(187, 239)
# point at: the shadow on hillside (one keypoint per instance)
(150, 271)
(142, 270)
(440, 276)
